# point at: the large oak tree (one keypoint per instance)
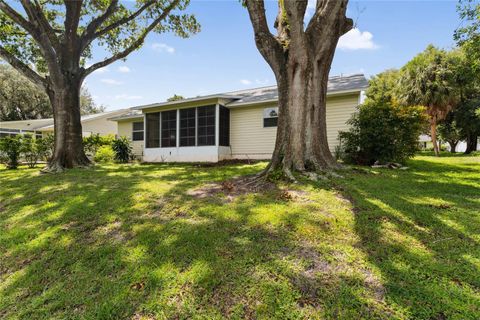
(300, 55)
(49, 41)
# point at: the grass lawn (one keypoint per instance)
(131, 242)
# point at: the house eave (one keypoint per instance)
(329, 94)
(186, 101)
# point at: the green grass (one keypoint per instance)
(129, 242)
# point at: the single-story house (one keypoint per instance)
(91, 124)
(232, 125)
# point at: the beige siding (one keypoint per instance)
(125, 130)
(339, 111)
(101, 126)
(248, 137)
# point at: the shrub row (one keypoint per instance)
(31, 151)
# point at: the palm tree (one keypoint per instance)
(428, 80)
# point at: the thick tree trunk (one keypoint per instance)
(471, 143)
(68, 152)
(453, 146)
(302, 132)
(300, 56)
(433, 133)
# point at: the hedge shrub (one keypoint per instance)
(383, 132)
(10, 151)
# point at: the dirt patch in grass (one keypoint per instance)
(233, 188)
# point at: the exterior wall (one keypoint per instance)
(182, 154)
(250, 140)
(339, 111)
(101, 126)
(124, 129)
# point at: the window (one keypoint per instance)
(4, 132)
(137, 131)
(224, 126)
(187, 127)
(270, 117)
(153, 130)
(169, 129)
(206, 126)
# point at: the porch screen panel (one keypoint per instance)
(187, 127)
(206, 126)
(153, 130)
(169, 129)
(224, 126)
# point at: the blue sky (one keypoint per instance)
(223, 56)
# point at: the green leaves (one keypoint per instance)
(118, 30)
(382, 131)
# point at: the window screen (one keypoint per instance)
(137, 131)
(153, 130)
(169, 129)
(187, 127)
(224, 126)
(206, 125)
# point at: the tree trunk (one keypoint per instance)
(433, 133)
(300, 56)
(68, 151)
(453, 146)
(471, 143)
(301, 143)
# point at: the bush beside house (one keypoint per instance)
(25, 148)
(383, 132)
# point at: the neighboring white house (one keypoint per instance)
(94, 123)
(233, 125)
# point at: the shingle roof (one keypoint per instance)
(39, 124)
(336, 84)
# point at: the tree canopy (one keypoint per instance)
(37, 33)
(175, 97)
(467, 34)
(51, 43)
(20, 99)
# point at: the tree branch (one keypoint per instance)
(72, 18)
(87, 35)
(327, 14)
(42, 31)
(124, 20)
(16, 17)
(23, 68)
(135, 45)
(266, 43)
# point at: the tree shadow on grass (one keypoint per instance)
(116, 242)
(420, 229)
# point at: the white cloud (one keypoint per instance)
(357, 40)
(123, 69)
(162, 47)
(127, 97)
(245, 82)
(111, 82)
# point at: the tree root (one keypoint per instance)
(55, 167)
